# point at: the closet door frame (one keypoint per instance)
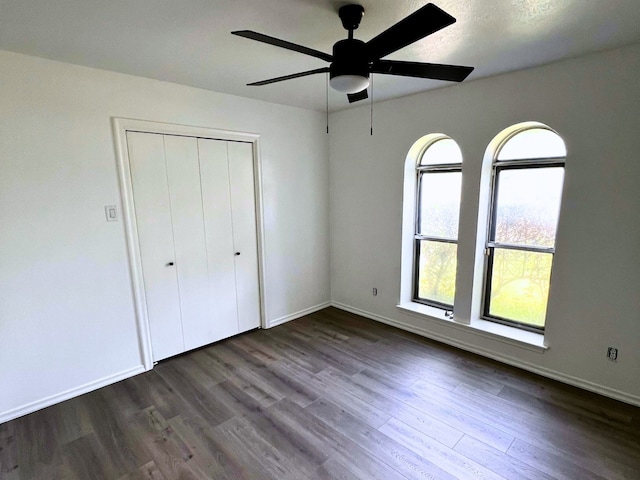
(120, 128)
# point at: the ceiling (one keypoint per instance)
(189, 41)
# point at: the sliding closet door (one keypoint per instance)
(243, 208)
(183, 172)
(216, 201)
(153, 217)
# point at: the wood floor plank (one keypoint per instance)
(398, 365)
(551, 391)
(257, 385)
(362, 409)
(326, 355)
(332, 470)
(392, 453)
(87, 459)
(216, 404)
(148, 471)
(444, 457)
(197, 372)
(577, 418)
(242, 436)
(305, 455)
(145, 390)
(222, 463)
(37, 441)
(369, 355)
(169, 452)
(14, 475)
(444, 375)
(8, 449)
(594, 461)
(276, 383)
(329, 396)
(294, 352)
(117, 440)
(449, 413)
(353, 326)
(555, 464)
(255, 349)
(250, 356)
(349, 455)
(497, 461)
(573, 437)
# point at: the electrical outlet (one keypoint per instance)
(375, 292)
(612, 354)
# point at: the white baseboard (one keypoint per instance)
(301, 313)
(66, 395)
(545, 372)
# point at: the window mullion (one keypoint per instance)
(525, 248)
(440, 168)
(531, 163)
(435, 239)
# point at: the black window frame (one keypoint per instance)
(490, 243)
(421, 170)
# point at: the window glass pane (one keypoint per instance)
(442, 151)
(533, 143)
(440, 204)
(520, 286)
(437, 271)
(528, 205)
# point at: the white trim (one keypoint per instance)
(495, 331)
(67, 394)
(296, 315)
(133, 250)
(120, 128)
(545, 372)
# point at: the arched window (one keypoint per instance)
(526, 189)
(439, 171)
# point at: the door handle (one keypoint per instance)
(237, 254)
(170, 264)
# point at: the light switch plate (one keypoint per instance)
(111, 211)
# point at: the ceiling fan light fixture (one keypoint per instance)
(349, 83)
(354, 61)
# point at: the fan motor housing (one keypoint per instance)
(349, 58)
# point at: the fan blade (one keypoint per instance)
(419, 24)
(356, 97)
(289, 77)
(451, 73)
(283, 44)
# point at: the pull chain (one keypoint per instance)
(371, 105)
(327, 92)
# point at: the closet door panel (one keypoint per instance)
(216, 201)
(243, 208)
(183, 172)
(153, 218)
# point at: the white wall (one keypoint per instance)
(66, 307)
(594, 103)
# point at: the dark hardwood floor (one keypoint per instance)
(328, 396)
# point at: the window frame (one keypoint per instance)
(490, 246)
(421, 170)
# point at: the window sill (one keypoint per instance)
(495, 331)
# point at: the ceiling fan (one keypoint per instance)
(353, 61)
